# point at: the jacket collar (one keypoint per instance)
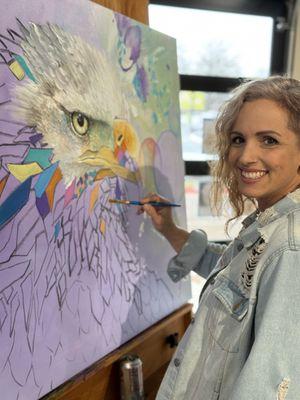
(254, 224)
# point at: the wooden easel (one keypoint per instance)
(136, 9)
(155, 347)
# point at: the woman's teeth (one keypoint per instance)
(253, 175)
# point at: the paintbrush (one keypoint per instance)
(139, 203)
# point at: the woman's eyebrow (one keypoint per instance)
(259, 133)
(235, 133)
(268, 132)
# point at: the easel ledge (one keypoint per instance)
(101, 380)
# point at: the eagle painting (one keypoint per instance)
(74, 280)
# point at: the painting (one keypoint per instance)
(88, 112)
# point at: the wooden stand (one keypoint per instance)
(136, 9)
(102, 381)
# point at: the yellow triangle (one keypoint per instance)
(24, 171)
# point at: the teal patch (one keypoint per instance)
(41, 156)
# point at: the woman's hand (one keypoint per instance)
(161, 216)
(163, 222)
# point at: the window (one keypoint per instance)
(198, 113)
(212, 43)
(219, 43)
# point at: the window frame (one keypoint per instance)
(279, 10)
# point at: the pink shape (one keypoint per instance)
(120, 155)
(70, 192)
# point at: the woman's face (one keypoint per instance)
(264, 153)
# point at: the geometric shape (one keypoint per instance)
(118, 192)
(103, 173)
(16, 69)
(44, 180)
(15, 202)
(41, 156)
(70, 193)
(3, 183)
(25, 67)
(57, 229)
(3, 314)
(93, 197)
(42, 205)
(119, 153)
(57, 176)
(62, 290)
(35, 138)
(102, 226)
(24, 171)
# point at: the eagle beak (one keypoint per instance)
(106, 159)
(103, 157)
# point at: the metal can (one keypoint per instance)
(131, 372)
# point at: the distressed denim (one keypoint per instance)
(244, 342)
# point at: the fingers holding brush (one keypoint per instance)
(161, 216)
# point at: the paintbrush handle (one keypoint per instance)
(139, 203)
(155, 204)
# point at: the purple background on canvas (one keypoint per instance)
(69, 293)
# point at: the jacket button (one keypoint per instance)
(176, 362)
(212, 281)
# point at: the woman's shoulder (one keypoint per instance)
(283, 233)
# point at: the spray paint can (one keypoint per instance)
(132, 387)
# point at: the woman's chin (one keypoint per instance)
(250, 191)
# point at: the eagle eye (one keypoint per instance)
(120, 139)
(80, 123)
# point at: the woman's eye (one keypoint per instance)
(80, 123)
(270, 140)
(236, 140)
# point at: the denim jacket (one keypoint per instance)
(244, 342)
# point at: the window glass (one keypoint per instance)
(200, 215)
(214, 43)
(198, 113)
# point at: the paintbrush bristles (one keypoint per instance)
(119, 201)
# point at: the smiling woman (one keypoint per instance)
(236, 347)
(258, 130)
(264, 153)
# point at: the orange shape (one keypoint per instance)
(102, 226)
(93, 197)
(3, 183)
(57, 176)
(125, 136)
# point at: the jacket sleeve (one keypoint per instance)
(197, 255)
(272, 369)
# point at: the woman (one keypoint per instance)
(244, 343)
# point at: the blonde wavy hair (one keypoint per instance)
(280, 89)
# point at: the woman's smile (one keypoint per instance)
(251, 176)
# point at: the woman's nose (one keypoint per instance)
(249, 153)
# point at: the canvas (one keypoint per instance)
(88, 112)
